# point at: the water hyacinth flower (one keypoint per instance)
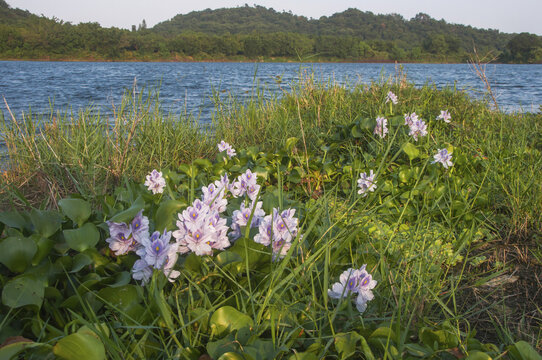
(155, 182)
(418, 129)
(366, 183)
(128, 237)
(444, 157)
(381, 128)
(411, 118)
(246, 184)
(224, 146)
(155, 249)
(278, 230)
(391, 97)
(354, 281)
(444, 115)
(242, 216)
(141, 271)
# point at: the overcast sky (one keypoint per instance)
(504, 15)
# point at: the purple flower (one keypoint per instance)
(366, 183)
(278, 230)
(411, 118)
(418, 128)
(241, 217)
(354, 281)
(224, 146)
(391, 97)
(124, 238)
(444, 115)
(155, 182)
(381, 128)
(155, 250)
(444, 157)
(246, 183)
(140, 227)
(141, 271)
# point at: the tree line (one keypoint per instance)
(260, 33)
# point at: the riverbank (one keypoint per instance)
(453, 248)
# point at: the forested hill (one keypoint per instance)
(258, 33)
(420, 31)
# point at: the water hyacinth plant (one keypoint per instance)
(155, 182)
(354, 281)
(366, 183)
(444, 157)
(444, 116)
(224, 146)
(381, 128)
(391, 97)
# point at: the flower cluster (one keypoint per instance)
(200, 226)
(224, 146)
(391, 97)
(155, 251)
(381, 128)
(366, 183)
(444, 115)
(246, 184)
(356, 281)
(417, 126)
(241, 217)
(278, 230)
(444, 157)
(124, 238)
(155, 182)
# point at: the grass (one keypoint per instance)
(435, 252)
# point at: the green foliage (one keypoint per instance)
(256, 32)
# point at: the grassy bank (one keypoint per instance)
(456, 251)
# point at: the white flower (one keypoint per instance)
(444, 157)
(444, 115)
(155, 182)
(224, 146)
(391, 97)
(366, 183)
(418, 128)
(354, 281)
(381, 128)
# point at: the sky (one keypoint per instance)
(504, 15)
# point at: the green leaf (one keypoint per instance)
(357, 131)
(13, 219)
(477, 355)
(85, 237)
(346, 343)
(203, 163)
(290, 143)
(83, 345)
(9, 351)
(226, 319)
(166, 214)
(217, 348)
(129, 214)
(23, 290)
(80, 261)
(262, 349)
(411, 150)
(120, 297)
(46, 223)
(231, 356)
(77, 210)
(523, 351)
(44, 248)
(16, 253)
(295, 176)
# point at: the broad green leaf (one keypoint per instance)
(83, 345)
(77, 210)
(121, 279)
(46, 223)
(203, 163)
(226, 319)
(128, 215)
(357, 131)
(80, 261)
(16, 253)
(346, 343)
(477, 355)
(9, 351)
(120, 297)
(83, 238)
(523, 351)
(166, 215)
(262, 349)
(290, 143)
(232, 356)
(217, 348)
(295, 176)
(411, 150)
(44, 248)
(13, 219)
(366, 350)
(23, 290)
(303, 356)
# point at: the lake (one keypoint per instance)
(189, 86)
